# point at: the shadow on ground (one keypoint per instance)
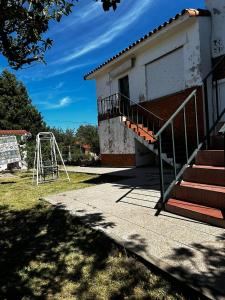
(214, 260)
(106, 179)
(48, 254)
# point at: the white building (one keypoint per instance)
(159, 71)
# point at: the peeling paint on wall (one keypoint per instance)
(216, 11)
(115, 138)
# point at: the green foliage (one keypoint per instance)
(107, 4)
(17, 111)
(30, 148)
(88, 134)
(66, 138)
(24, 24)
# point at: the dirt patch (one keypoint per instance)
(6, 175)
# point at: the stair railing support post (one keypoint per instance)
(224, 148)
(161, 169)
(206, 104)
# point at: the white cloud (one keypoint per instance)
(59, 85)
(66, 69)
(48, 73)
(65, 101)
(115, 29)
(88, 11)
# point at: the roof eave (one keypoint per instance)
(156, 33)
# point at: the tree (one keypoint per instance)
(88, 134)
(17, 111)
(23, 24)
(64, 137)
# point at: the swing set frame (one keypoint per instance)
(45, 173)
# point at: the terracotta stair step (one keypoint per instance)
(197, 212)
(130, 123)
(202, 194)
(141, 131)
(148, 138)
(205, 174)
(210, 158)
(136, 126)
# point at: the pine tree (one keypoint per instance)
(16, 109)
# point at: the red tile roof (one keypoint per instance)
(14, 132)
(86, 146)
(189, 11)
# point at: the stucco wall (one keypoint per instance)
(195, 37)
(205, 34)
(143, 155)
(186, 35)
(165, 75)
(119, 147)
(217, 8)
(115, 138)
(221, 96)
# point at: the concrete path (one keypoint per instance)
(186, 249)
(96, 170)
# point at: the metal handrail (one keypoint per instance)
(222, 130)
(205, 141)
(120, 105)
(205, 86)
(222, 133)
(170, 123)
(142, 107)
(131, 101)
(175, 113)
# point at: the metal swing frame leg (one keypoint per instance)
(39, 168)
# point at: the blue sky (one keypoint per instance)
(82, 41)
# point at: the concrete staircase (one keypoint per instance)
(141, 131)
(201, 193)
(146, 136)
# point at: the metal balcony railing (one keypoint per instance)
(120, 105)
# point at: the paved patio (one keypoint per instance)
(188, 250)
(97, 170)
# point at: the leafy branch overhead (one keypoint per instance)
(24, 23)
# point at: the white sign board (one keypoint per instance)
(9, 150)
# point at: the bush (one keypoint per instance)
(77, 158)
(30, 148)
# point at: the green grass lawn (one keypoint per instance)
(45, 253)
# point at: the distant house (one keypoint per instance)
(86, 148)
(21, 136)
(20, 133)
(162, 100)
